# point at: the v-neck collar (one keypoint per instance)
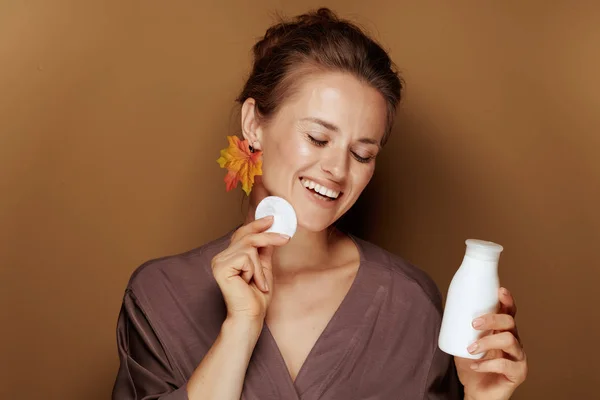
(332, 346)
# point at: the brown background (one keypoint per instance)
(112, 114)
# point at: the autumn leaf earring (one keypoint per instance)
(242, 161)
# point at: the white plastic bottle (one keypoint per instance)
(472, 293)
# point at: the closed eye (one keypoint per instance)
(316, 142)
(322, 143)
(362, 159)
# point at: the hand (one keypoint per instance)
(504, 366)
(244, 272)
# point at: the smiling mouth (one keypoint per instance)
(320, 191)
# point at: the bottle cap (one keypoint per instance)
(284, 216)
(483, 250)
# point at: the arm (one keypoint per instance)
(145, 371)
(243, 275)
(221, 373)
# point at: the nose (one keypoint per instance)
(335, 164)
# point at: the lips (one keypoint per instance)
(322, 190)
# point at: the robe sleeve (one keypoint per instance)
(442, 380)
(145, 371)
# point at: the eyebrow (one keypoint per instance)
(325, 124)
(334, 128)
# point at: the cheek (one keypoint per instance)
(304, 149)
(285, 159)
(289, 154)
(362, 178)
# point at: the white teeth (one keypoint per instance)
(320, 189)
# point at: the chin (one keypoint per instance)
(316, 211)
(312, 221)
(313, 226)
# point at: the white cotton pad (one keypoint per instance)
(284, 221)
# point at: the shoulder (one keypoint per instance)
(177, 300)
(183, 272)
(404, 279)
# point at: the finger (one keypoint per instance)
(253, 241)
(497, 322)
(266, 255)
(512, 370)
(265, 239)
(256, 226)
(259, 274)
(268, 273)
(507, 302)
(231, 265)
(504, 341)
(248, 268)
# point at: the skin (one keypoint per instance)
(329, 131)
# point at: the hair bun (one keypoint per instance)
(321, 16)
(278, 32)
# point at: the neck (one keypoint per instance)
(307, 250)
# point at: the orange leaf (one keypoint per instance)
(242, 165)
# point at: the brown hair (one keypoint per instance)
(314, 41)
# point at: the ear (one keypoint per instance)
(250, 123)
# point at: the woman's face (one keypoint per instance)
(319, 148)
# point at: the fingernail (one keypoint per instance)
(266, 286)
(477, 323)
(474, 366)
(284, 236)
(472, 347)
(505, 291)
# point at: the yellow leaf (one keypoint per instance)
(241, 164)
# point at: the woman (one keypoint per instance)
(324, 315)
